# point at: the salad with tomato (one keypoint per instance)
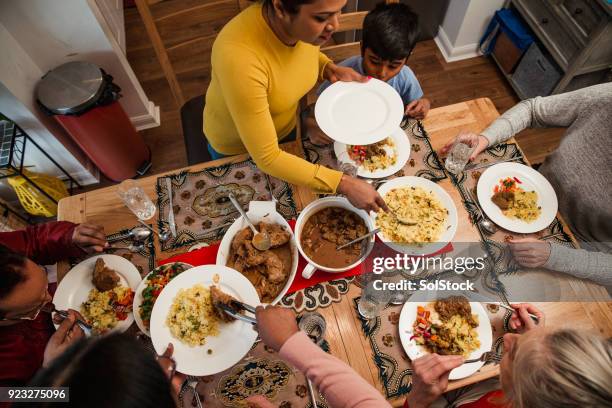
(156, 281)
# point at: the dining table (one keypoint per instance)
(345, 333)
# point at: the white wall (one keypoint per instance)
(463, 26)
(17, 102)
(59, 31)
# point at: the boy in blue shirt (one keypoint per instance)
(389, 35)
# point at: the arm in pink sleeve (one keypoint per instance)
(340, 384)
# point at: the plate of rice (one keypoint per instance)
(106, 311)
(429, 215)
(424, 328)
(378, 160)
(183, 315)
(534, 202)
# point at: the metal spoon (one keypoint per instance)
(261, 240)
(163, 237)
(485, 224)
(131, 248)
(139, 234)
(361, 238)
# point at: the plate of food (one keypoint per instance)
(205, 340)
(359, 113)
(422, 217)
(450, 326)
(517, 197)
(377, 160)
(272, 271)
(149, 289)
(102, 289)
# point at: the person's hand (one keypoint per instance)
(315, 134)
(520, 321)
(430, 378)
(168, 366)
(67, 334)
(478, 142)
(89, 237)
(361, 194)
(334, 73)
(275, 325)
(418, 108)
(529, 252)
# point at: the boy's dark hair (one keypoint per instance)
(290, 6)
(390, 31)
(110, 371)
(11, 270)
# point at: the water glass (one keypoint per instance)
(458, 157)
(373, 298)
(136, 199)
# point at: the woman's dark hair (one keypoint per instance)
(390, 31)
(110, 371)
(290, 6)
(11, 271)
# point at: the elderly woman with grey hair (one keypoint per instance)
(580, 171)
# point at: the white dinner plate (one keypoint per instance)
(402, 149)
(449, 227)
(414, 351)
(142, 286)
(531, 180)
(359, 113)
(74, 289)
(234, 340)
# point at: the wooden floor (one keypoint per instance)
(443, 83)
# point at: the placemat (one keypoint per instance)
(260, 372)
(394, 366)
(423, 162)
(144, 260)
(200, 200)
(496, 244)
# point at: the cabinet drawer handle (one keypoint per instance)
(578, 11)
(544, 20)
(542, 67)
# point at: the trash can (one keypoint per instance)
(83, 100)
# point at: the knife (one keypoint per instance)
(170, 210)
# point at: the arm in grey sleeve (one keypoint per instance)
(550, 111)
(596, 266)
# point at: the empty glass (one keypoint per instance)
(136, 199)
(373, 298)
(458, 157)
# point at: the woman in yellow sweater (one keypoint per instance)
(263, 62)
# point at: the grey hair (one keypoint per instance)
(567, 368)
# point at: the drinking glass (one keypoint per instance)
(458, 157)
(136, 199)
(373, 300)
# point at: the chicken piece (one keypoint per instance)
(104, 278)
(503, 199)
(241, 237)
(273, 267)
(278, 235)
(219, 298)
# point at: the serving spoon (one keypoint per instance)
(261, 240)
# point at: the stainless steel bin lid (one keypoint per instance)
(71, 87)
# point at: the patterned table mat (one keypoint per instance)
(423, 162)
(144, 260)
(496, 244)
(261, 372)
(201, 204)
(394, 366)
(320, 295)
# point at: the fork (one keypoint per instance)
(488, 356)
(193, 383)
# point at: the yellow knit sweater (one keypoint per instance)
(251, 103)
